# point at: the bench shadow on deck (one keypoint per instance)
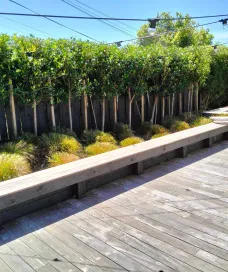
(108, 195)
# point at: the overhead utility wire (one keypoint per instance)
(102, 18)
(126, 25)
(46, 17)
(28, 26)
(92, 15)
(163, 33)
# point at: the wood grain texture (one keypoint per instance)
(173, 217)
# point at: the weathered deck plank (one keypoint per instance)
(174, 217)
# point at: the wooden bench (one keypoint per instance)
(37, 190)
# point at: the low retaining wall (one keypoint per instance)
(35, 191)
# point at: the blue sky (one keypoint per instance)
(114, 8)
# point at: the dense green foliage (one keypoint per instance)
(101, 70)
(180, 32)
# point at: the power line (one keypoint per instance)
(46, 17)
(103, 18)
(29, 26)
(163, 33)
(104, 14)
(92, 15)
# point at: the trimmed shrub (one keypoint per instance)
(179, 126)
(29, 138)
(89, 136)
(92, 136)
(105, 137)
(122, 131)
(130, 141)
(145, 130)
(12, 166)
(55, 142)
(21, 148)
(59, 158)
(159, 135)
(169, 122)
(157, 129)
(98, 148)
(199, 121)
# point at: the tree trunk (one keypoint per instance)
(172, 104)
(180, 104)
(189, 99)
(153, 109)
(169, 106)
(115, 109)
(94, 115)
(70, 109)
(12, 108)
(52, 106)
(85, 107)
(130, 100)
(196, 97)
(156, 113)
(162, 109)
(103, 113)
(35, 116)
(142, 108)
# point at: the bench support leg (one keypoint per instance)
(137, 168)
(81, 189)
(226, 136)
(208, 142)
(183, 152)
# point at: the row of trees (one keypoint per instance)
(34, 70)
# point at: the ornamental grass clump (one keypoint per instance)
(105, 137)
(199, 121)
(56, 142)
(157, 129)
(23, 148)
(59, 158)
(131, 141)
(99, 148)
(158, 135)
(122, 131)
(145, 131)
(12, 166)
(179, 126)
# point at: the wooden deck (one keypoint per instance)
(174, 217)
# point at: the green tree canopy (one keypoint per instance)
(180, 32)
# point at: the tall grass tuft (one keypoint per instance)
(131, 141)
(99, 148)
(59, 158)
(179, 126)
(55, 142)
(12, 166)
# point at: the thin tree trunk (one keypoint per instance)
(169, 106)
(172, 104)
(70, 109)
(189, 99)
(52, 106)
(94, 115)
(153, 109)
(35, 116)
(142, 108)
(115, 109)
(156, 113)
(196, 97)
(138, 110)
(130, 99)
(103, 113)
(162, 109)
(85, 107)
(180, 104)
(13, 110)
